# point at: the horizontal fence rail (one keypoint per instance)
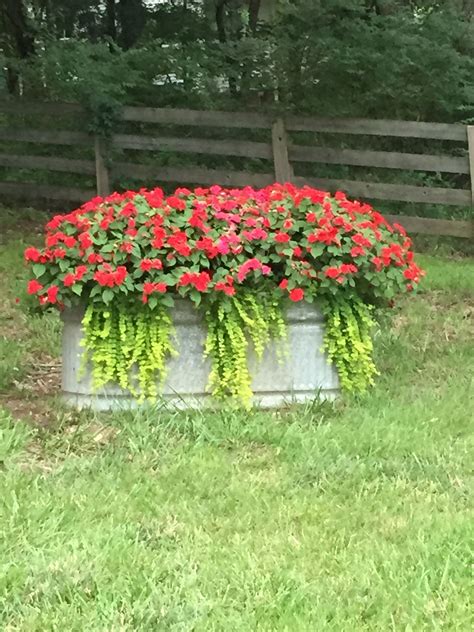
(281, 153)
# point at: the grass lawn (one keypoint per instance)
(353, 516)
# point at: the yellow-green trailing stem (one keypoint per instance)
(348, 342)
(131, 347)
(116, 341)
(230, 328)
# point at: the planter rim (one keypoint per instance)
(184, 310)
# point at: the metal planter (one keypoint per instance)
(301, 375)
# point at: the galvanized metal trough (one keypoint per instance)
(301, 375)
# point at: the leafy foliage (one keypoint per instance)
(240, 252)
(395, 59)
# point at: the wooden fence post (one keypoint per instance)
(282, 166)
(101, 170)
(470, 145)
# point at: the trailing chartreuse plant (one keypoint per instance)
(348, 342)
(116, 340)
(230, 327)
(239, 255)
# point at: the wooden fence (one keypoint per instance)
(280, 151)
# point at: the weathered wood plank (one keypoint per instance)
(192, 175)
(382, 159)
(281, 163)
(369, 127)
(44, 191)
(47, 163)
(20, 106)
(429, 226)
(396, 192)
(470, 140)
(248, 149)
(101, 169)
(43, 136)
(174, 116)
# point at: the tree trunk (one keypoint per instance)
(21, 38)
(18, 28)
(254, 9)
(110, 20)
(221, 34)
(132, 17)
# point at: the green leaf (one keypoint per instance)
(77, 288)
(195, 296)
(152, 302)
(167, 300)
(107, 295)
(38, 269)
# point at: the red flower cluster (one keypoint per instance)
(107, 276)
(301, 242)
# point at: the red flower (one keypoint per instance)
(34, 287)
(250, 264)
(256, 233)
(283, 284)
(282, 238)
(202, 281)
(378, 263)
(148, 287)
(120, 275)
(52, 293)
(80, 272)
(69, 279)
(109, 277)
(332, 273)
(105, 223)
(297, 294)
(357, 251)
(360, 240)
(347, 268)
(58, 253)
(70, 242)
(85, 240)
(94, 258)
(179, 241)
(151, 264)
(32, 254)
(209, 247)
(176, 203)
(399, 228)
(126, 246)
(128, 210)
(223, 287)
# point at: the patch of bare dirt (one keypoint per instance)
(43, 379)
(30, 399)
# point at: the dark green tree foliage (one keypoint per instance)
(378, 58)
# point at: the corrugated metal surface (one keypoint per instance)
(300, 375)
